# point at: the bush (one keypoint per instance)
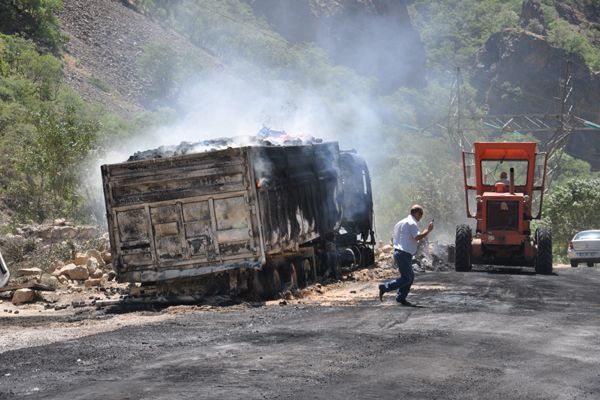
(35, 19)
(47, 163)
(99, 83)
(572, 207)
(563, 35)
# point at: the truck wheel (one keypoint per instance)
(270, 281)
(257, 291)
(462, 248)
(573, 264)
(368, 256)
(543, 260)
(590, 264)
(289, 275)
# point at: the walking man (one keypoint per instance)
(406, 238)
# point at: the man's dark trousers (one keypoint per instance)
(407, 275)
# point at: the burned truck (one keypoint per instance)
(251, 220)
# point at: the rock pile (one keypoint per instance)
(91, 268)
(82, 263)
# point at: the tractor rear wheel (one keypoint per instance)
(543, 260)
(462, 248)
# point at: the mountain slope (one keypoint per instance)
(106, 40)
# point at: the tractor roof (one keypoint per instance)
(505, 150)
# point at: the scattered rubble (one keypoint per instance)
(85, 278)
(56, 265)
(431, 256)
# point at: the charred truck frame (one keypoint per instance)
(504, 208)
(250, 220)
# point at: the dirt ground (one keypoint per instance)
(494, 334)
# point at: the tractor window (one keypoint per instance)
(540, 161)
(470, 168)
(536, 204)
(492, 171)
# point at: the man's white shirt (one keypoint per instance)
(405, 232)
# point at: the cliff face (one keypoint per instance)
(374, 37)
(518, 72)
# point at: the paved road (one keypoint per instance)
(479, 335)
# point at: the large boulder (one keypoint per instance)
(75, 272)
(21, 296)
(97, 255)
(80, 259)
(91, 265)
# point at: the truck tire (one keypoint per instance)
(590, 264)
(574, 264)
(269, 282)
(543, 260)
(462, 248)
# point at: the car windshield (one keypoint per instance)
(587, 235)
(491, 171)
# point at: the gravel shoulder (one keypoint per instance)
(487, 334)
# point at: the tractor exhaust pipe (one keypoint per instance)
(511, 187)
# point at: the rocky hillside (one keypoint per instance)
(519, 71)
(106, 39)
(516, 71)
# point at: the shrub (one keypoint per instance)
(572, 207)
(34, 19)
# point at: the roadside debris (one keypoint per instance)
(431, 256)
(58, 265)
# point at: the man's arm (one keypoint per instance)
(421, 235)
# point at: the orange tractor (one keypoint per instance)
(504, 188)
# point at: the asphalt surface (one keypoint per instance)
(479, 335)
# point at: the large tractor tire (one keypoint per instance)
(543, 260)
(462, 248)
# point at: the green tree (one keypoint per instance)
(454, 30)
(47, 163)
(35, 19)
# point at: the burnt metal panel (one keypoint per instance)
(198, 229)
(298, 188)
(195, 175)
(201, 213)
(357, 201)
(187, 215)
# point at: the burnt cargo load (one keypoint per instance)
(258, 218)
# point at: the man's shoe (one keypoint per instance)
(381, 292)
(406, 303)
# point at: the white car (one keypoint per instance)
(585, 248)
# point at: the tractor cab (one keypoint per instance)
(504, 186)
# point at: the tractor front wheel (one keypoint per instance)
(462, 248)
(543, 260)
